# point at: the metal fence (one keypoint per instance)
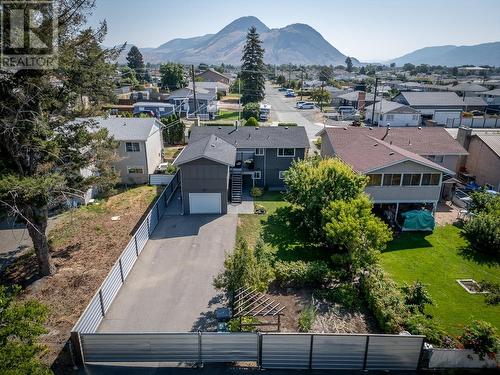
(269, 350)
(473, 122)
(160, 179)
(100, 303)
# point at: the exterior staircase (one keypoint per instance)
(236, 187)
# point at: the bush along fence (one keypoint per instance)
(96, 310)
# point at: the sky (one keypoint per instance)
(370, 30)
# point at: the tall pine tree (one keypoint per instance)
(252, 69)
(135, 62)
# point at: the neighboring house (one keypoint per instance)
(157, 109)
(219, 162)
(400, 177)
(206, 100)
(218, 87)
(492, 98)
(483, 161)
(437, 106)
(211, 75)
(140, 146)
(392, 114)
(354, 98)
(474, 103)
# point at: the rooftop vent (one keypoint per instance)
(219, 127)
(345, 127)
(286, 127)
(391, 153)
(257, 128)
(370, 128)
(419, 128)
(212, 145)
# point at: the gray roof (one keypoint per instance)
(475, 101)
(392, 107)
(492, 141)
(468, 87)
(432, 99)
(250, 137)
(129, 129)
(495, 92)
(211, 148)
(201, 93)
(353, 96)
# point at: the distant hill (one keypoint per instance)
(479, 54)
(297, 44)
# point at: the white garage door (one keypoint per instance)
(205, 203)
(442, 116)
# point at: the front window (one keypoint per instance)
(259, 151)
(411, 179)
(389, 117)
(135, 170)
(132, 146)
(374, 179)
(286, 152)
(256, 175)
(430, 179)
(392, 180)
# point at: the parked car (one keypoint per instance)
(299, 103)
(461, 199)
(282, 89)
(307, 105)
(290, 94)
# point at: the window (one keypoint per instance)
(374, 179)
(135, 170)
(411, 179)
(256, 175)
(392, 180)
(286, 152)
(436, 158)
(259, 151)
(389, 117)
(132, 146)
(430, 179)
(414, 117)
(281, 175)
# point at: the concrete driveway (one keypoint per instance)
(170, 286)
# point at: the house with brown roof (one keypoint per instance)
(406, 166)
(212, 75)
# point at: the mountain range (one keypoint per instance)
(479, 54)
(297, 43)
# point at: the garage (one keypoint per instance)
(205, 203)
(441, 117)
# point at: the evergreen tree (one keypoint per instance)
(42, 148)
(348, 63)
(252, 68)
(135, 62)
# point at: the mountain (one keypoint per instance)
(479, 54)
(297, 44)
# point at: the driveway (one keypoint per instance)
(170, 286)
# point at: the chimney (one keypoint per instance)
(386, 132)
(361, 101)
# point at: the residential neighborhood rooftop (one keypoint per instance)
(386, 106)
(432, 99)
(211, 148)
(129, 129)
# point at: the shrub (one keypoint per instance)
(252, 122)
(171, 169)
(481, 337)
(492, 289)
(234, 324)
(418, 324)
(306, 318)
(256, 192)
(345, 294)
(300, 273)
(483, 233)
(251, 110)
(416, 296)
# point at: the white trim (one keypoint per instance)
(280, 175)
(438, 167)
(132, 143)
(259, 153)
(255, 174)
(285, 156)
(135, 167)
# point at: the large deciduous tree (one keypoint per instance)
(253, 68)
(172, 76)
(43, 150)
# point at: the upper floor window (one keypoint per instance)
(132, 146)
(391, 180)
(286, 152)
(259, 151)
(436, 158)
(430, 179)
(374, 179)
(411, 179)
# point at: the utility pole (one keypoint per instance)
(301, 82)
(374, 101)
(289, 74)
(239, 101)
(194, 91)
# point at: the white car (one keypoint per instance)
(299, 103)
(307, 105)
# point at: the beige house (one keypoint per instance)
(140, 146)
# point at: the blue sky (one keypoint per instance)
(370, 30)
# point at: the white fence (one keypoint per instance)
(269, 350)
(100, 303)
(473, 122)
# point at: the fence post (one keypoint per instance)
(366, 352)
(121, 269)
(311, 352)
(259, 350)
(200, 359)
(77, 352)
(420, 357)
(147, 224)
(102, 303)
(136, 247)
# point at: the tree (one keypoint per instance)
(392, 65)
(321, 96)
(251, 110)
(313, 183)
(42, 148)
(173, 131)
(128, 77)
(481, 337)
(351, 228)
(252, 68)
(325, 73)
(172, 76)
(252, 121)
(281, 80)
(348, 63)
(21, 324)
(362, 70)
(135, 62)
(416, 296)
(408, 67)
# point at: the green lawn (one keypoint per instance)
(438, 259)
(227, 115)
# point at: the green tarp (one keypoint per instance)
(418, 220)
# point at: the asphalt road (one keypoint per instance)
(283, 110)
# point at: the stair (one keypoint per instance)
(236, 187)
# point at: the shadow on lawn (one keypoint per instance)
(409, 241)
(285, 230)
(469, 253)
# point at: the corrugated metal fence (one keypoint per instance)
(473, 122)
(269, 350)
(100, 303)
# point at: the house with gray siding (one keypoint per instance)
(407, 167)
(219, 162)
(140, 146)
